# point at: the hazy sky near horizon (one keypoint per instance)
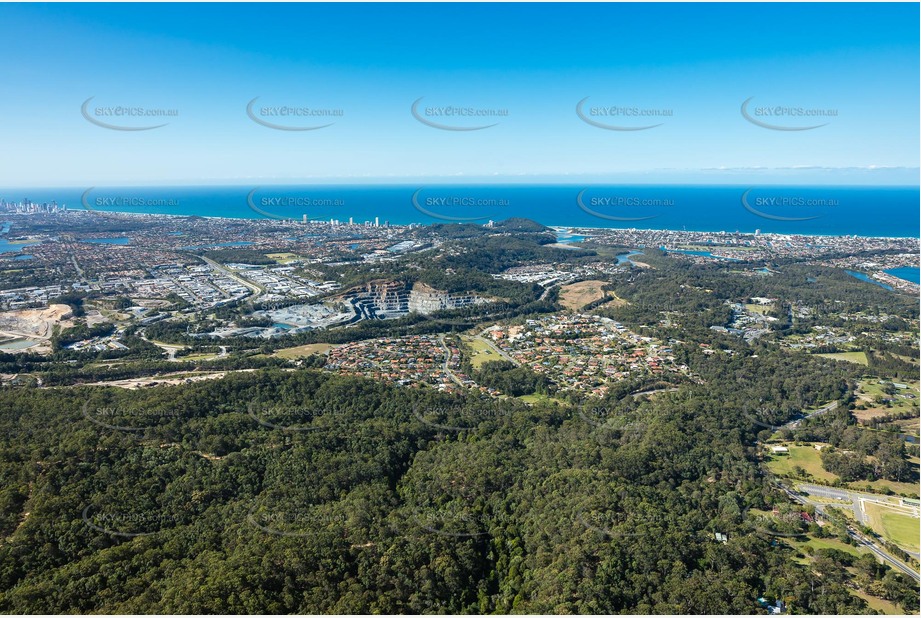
(694, 63)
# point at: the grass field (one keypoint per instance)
(881, 486)
(851, 357)
(762, 309)
(910, 425)
(810, 460)
(535, 398)
(867, 392)
(304, 350)
(826, 544)
(282, 258)
(880, 605)
(901, 529)
(480, 352)
(112, 315)
(806, 457)
(576, 295)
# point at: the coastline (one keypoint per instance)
(577, 229)
(859, 211)
(555, 227)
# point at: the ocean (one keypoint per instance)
(813, 210)
(908, 273)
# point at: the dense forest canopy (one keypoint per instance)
(352, 496)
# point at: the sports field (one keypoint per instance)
(900, 528)
(806, 457)
(851, 357)
(304, 350)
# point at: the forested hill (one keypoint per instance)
(302, 492)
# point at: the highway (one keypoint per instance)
(257, 290)
(883, 555)
(855, 498)
(838, 494)
(829, 492)
(826, 408)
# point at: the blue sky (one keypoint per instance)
(696, 62)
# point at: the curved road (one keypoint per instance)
(855, 534)
(830, 492)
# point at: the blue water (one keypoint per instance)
(108, 241)
(908, 273)
(700, 253)
(17, 344)
(8, 247)
(863, 211)
(24, 256)
(565, 238)
(867, 278)
(625, 257)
